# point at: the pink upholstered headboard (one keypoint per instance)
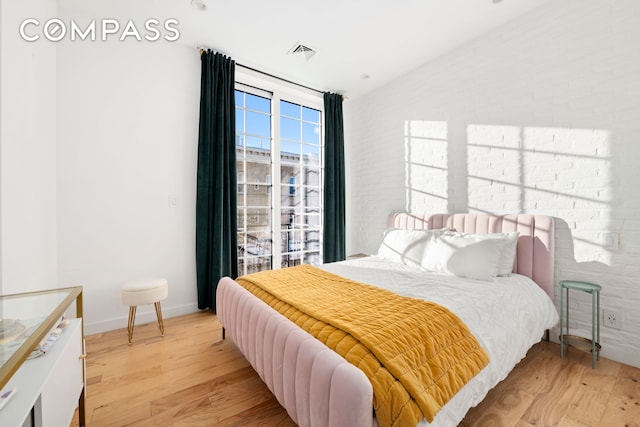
(535, 253)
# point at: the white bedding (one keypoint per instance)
(507, 316)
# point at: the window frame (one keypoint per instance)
(260, 85)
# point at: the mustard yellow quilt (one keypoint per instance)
(417, 354)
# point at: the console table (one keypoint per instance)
(51, 386)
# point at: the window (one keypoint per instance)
(278, 138)
(300, 169)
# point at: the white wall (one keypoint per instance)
(27, 152)
(127, 140)
(539, 116)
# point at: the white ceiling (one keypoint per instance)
(382, 39)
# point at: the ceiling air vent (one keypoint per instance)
(301, 50)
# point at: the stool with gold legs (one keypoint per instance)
(141, 292)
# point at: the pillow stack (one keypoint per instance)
(476, 256)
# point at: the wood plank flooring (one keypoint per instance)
(193, 378)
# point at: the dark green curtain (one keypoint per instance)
(216, 227)
(334, 211)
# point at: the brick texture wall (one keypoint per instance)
(539, 116)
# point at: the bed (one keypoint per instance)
(317, 387)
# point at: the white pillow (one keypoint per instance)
(508, 257)
(509, 242)
(406, 246)
(464, 256)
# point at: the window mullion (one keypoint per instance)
(301, 195)
(276, 227)
(244, 192)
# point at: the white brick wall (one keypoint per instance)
(540, 116)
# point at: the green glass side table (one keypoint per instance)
(589, 345)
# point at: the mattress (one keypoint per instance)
(525, 312)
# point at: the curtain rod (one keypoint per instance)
(246, 67)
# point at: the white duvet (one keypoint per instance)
(507, 316)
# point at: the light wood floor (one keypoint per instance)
(192, 378)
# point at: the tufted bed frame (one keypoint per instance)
(316, 386)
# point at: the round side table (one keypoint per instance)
(589, 345)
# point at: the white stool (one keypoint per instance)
(145, 291)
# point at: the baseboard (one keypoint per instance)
(620, 356)
(144, 315)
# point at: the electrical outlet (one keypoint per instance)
(612, 319)
(610, 240)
